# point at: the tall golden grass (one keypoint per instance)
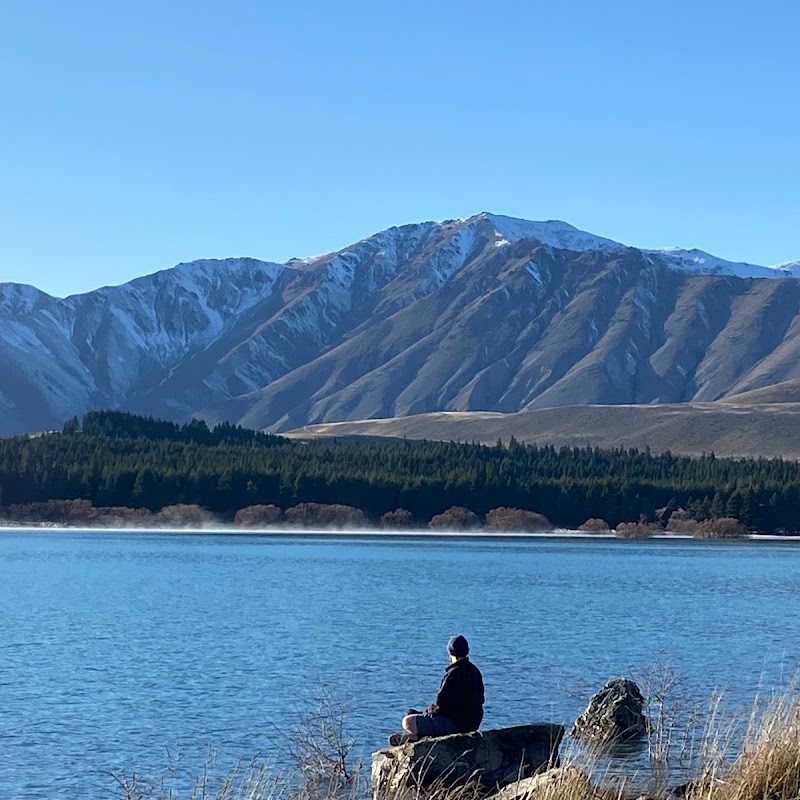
(767, 766)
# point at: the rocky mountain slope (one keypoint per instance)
(488, 313)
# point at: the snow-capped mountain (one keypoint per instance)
(485, 313)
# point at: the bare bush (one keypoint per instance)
(456, 518)
(323, 515)
(320, 744)
(183, 514)
(76, 512)
(516, 520)
(674, 717)
(722, 528)
(595, 525)
(399, 518)
(53, 511)
(681, 522)
(637, 530)
(258, 516)
(248, 780)
(120, 517)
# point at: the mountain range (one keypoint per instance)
(488, 314)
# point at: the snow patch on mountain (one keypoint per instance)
(449, 259)
(551, 232)
(533, 270)
(792, 267)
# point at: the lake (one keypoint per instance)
(131, 651)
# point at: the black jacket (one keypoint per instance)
(460, 697)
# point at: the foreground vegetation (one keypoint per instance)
(755, 759)
(117, 460)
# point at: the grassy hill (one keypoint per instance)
(731, 428)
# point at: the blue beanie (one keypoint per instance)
(458, 646)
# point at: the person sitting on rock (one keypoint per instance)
(459, 703)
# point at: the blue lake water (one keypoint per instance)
(119, 648)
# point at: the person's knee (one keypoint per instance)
(410, 723)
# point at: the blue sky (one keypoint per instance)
(135, 135)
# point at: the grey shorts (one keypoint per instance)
(435, 725)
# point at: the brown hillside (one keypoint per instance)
(725, 429)
(785, 392)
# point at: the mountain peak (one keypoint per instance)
(552, 232)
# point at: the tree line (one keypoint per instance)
(119, 459)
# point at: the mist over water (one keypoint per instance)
(116, 646)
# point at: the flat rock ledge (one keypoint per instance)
(491, 759)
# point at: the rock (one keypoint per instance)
(616, 712)
(492, 759)
(680, 792)
(563, 781)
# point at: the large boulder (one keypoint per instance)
(491, 759)
(615, 713)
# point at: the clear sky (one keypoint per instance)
(135, 135)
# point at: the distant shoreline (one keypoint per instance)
(381, 534)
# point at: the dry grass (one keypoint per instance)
(767, 766)
(740, 431)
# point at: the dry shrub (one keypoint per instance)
(595, 525)
(77, 512)
(120, 517)
(722, 528)
(516, 520)
(637, 530)
(399, 518)
(258, 516)
(54, 511)
(183, 514)
(323, 515)
(681, 522)
(456, 518)
(320, 744)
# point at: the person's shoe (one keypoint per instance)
(396, 739)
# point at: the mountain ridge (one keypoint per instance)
(489, 313)
(502, 222)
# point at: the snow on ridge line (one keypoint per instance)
(554, 233)
(557, 233)
(706, 264)
(551, 232)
